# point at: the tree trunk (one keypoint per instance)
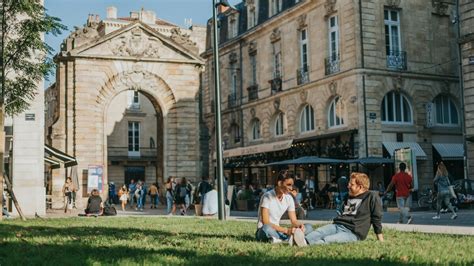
(2, 152)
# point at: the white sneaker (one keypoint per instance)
(454, 216)
(299, 239)
(436, 217)
(276, 241)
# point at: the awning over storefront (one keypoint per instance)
(308, 160)
(56, 156)
(450, 151)
(392, 146)
(53, 163)
(267, 147)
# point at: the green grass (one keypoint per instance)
(164, 241)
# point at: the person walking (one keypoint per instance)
(112, 194)
(403, 183)
(68, 192)
(132, 187)
(153, 192)
(123, 194)
(170, 187)
(182, 190)
(442, 182)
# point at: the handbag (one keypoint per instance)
(451, 191)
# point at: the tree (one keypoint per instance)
(25, 59)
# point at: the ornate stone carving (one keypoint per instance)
(440, 7)
(136, 43)
(304, 96)
(445, 87)
(136, 78)
(233, 57)
(302, 21)
(333, 88)
(252, 112)
(276, 35)
(393, 3)
(353, 99)
(183, 39)
(398, 83)
(276, 104)
(330, 6)
(252, 47)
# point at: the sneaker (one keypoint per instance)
(276, 240)
(454, 216)
(410, 219)
(436, 217)
(443, 211)
(291, 241)
(298, 237)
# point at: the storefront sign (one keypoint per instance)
(429, 115)
(95, 178)
(29, 117)
(407, 156)
(372, 116)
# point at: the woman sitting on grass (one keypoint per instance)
(94, 204)
(273, 205)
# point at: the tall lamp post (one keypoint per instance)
(217, 102)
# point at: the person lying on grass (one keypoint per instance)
(361, 209)
(273, 205)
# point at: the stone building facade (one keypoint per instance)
(126, 99)
(335, 78)
(466, 8)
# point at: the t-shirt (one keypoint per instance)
(209, 205)
(276, 208)
(93, 204)
(402, 182)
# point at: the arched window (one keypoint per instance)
(396, 109)
(279, 124)
(446, 111)
(307, 119)
(255, 129)
(336, 112)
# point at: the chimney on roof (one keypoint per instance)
(111, 12)
(134, 15)
(148, 16)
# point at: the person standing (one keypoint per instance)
(169, 186)
(182, 190)
(112, 194)
(132, 187)
(442, 182)
(153, 192)
(342, 184)
(123, 194)
(301, 186)
(68, 192)
(403, 183)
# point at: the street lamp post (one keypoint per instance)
(217, 102)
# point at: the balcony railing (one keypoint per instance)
(276, 85)
(397, 60)
(302, 76)
(123, 152)
(332, 65)
(253, 92)
(233, 100)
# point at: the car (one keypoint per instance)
(464, 189)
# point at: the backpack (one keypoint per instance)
(109, 211)
(183, 191)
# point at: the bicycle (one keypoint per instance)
(428, 199)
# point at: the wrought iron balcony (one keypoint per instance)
(302, 76)
(276, 85)
(332, 65)
(253, 92)
(233, 100)
(397, 60)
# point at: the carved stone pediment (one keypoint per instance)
(276, 35)
(302, 22)
(252, 47)
(184, 40)
(330, 7)
(393, 3)
(136, 43)
(440, 8)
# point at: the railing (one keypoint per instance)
(276, 85)
(233, 100)
(332, 65)
(253, 92)
(397, 60)
(124, 152)
(302, 76)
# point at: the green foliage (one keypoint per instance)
(193, 241)
(26, 57)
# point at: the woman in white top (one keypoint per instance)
(273, 205)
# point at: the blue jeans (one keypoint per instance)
(169, 202)
(403, 204)
(154, 200)
(132, 198)
(331, 233)
(266, 233)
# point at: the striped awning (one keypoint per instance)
(392, 146)
(53, 155)
(450, 151)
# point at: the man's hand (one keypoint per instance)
(290, 231)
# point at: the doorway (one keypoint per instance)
(134, 172)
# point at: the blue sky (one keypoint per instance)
(75, 12)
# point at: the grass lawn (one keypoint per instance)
(147, 240)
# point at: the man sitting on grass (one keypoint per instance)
(273, 205)
(361, 209)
